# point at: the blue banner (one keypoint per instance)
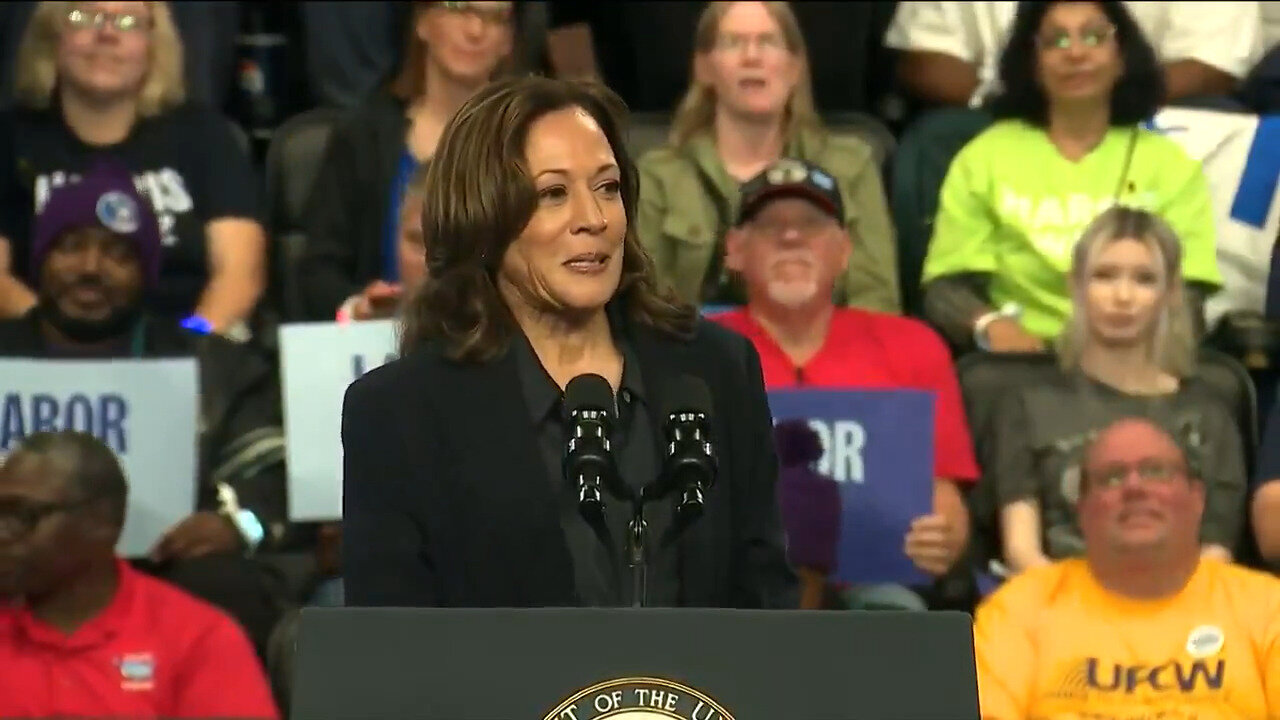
(879, 450)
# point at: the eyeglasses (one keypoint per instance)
(737, 42)
(19, 519)
(1091, 37)
(1154, 472)
(120, 22)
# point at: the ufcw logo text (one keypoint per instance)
(1172, 676)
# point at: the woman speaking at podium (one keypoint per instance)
(453, 489)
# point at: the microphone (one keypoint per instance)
(690, 464)
(588, 459)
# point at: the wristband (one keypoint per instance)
(250, 528)
(245, 521)
(1009, 310)
(197, 324)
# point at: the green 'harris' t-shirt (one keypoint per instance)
(1013, 207)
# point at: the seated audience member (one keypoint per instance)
(950, 49)
(1078, 79)
(1126, 351)
(750, 103)
(382, 299)
(1265, 505)
(453, 49)
(99, 79)
(789, 248)
(207, 29)
(1143, 625)
(95, 250)
(86, 635)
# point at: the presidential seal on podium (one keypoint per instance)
(639, 698)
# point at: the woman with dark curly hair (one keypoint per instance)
(453, 488)
(1079, 78)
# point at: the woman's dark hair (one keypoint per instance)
(480, 196)
(1136, 96)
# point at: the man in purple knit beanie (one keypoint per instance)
(106, 198)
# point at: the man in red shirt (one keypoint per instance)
(789, 248)
(82, 634)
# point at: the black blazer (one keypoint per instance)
(446, 500)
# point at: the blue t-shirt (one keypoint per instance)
(391, 229)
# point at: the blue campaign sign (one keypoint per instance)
(879, 449)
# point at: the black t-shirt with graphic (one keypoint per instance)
(1042, 431)
(186, 160)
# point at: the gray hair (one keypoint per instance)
(1173, 346)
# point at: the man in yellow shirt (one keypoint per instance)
(1141, 627)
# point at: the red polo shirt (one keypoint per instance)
(875, 350)
(154, 652)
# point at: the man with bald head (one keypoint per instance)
(83, 634)
(1142, 625)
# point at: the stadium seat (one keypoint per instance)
(870, 130)
(293, 160)
(985, 377)
(919, 166)
(242, 137)
(646, 131)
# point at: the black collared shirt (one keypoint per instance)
(601, 581)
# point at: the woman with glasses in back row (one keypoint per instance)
(350, 268)
(749, 104)
(1078, 80)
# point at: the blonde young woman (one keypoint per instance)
(452, 49)
(106, 78)
(1127, 351)
(750, 103)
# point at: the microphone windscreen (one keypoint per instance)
(686, 393)
(588, 392)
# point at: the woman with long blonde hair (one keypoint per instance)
(106, 78)
(1127, 350)
(750, 103)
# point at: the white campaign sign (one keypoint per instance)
(318, 361)
(146, 411)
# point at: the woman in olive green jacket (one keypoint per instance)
(750, 104)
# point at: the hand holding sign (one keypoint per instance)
(933, 543)
(204, 533)
(878, 448)
(378, 300)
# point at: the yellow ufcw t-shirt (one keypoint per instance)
(1052, 644)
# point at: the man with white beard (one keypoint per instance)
(788, 248)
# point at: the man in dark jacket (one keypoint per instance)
(96, 247)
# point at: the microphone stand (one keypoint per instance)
(638, 553)
(687, 510)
